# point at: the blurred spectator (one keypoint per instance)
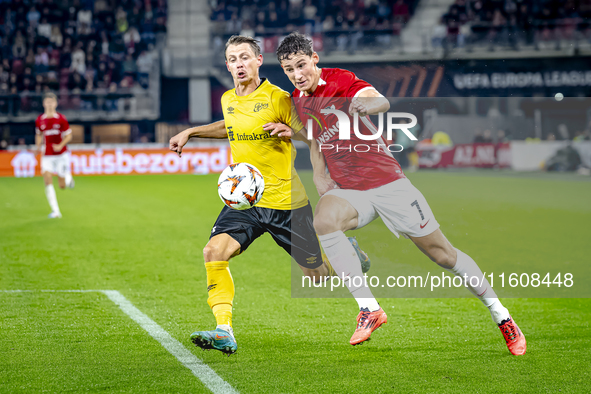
(579, 136)
(144, 66)
(509, 21)
(56, 36)
(19, 48)
(565, 159)
(478, 138)
(131, 38)
(76, 84)
(441, 138)
(121, 20)
(247, 30)
(4, 75)
(346, 24)
(401, 10)
(129, 67)
(562, 131)
(41, 61)
(104, 43)
(44, 29)
(310, 11)
(80, 45)
(439, 34)
(501, 136)
(234, 25)
(33, 17)
(78, 59)
(487, 136)
(30, 59)
(84, 20)
(117, 48)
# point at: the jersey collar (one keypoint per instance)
(320, 83)
(263, 80)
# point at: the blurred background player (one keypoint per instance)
(284, 210)
(362, 185)
(53, 131)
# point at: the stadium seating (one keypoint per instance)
(91, 52)
(513, 23)
(353, 26)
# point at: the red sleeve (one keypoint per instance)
(37, 126)
(352, 84)
(64, 125)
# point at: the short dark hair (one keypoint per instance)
(237, 40)
(292, 44)
(49, 95)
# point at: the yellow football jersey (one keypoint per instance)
(244, 117)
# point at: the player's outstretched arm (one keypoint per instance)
(212, 130)
(322, 179)
(38, 143)
(369, 102)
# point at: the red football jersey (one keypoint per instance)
(353, 163)
(53, 130)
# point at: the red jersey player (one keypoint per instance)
(364, 184)
(53, 131)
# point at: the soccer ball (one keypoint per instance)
(241, 186)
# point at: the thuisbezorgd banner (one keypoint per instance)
(24, 163)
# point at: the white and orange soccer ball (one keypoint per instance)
(241, 186)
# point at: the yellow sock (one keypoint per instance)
(331, 271)
(220, 288)
(413, 158)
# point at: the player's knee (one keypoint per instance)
(212, 253)
(47, 178)
(446, 258)
(326, 224)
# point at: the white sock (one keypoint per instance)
(466, 266)
(51, 198)
(68, 179)
(344, 260)
(227, 328)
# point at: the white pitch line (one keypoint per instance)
(210, 379)
(204, 373)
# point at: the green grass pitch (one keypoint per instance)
(143, 236)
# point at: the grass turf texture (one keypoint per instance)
(143, 236)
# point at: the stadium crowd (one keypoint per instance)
(76, 47)
(511, 22)
(348, 24)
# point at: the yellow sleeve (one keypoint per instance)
(286, 111)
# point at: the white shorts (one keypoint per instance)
(401, 206)
(56, 164)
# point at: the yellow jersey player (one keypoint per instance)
(284, 210)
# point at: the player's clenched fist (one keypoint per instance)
(357, 106)
(281, 130)
(178, 141)
(324, 184)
